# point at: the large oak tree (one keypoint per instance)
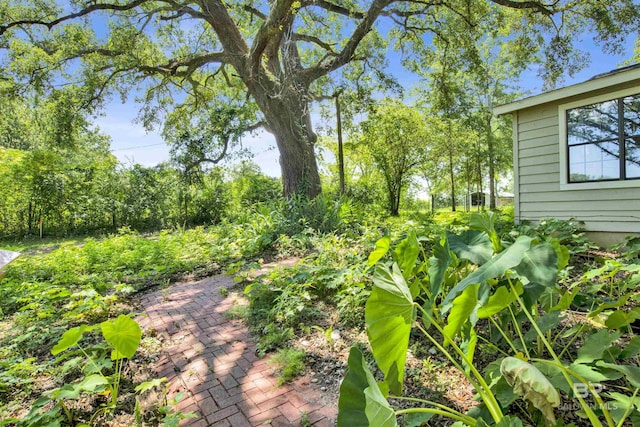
(270, 58)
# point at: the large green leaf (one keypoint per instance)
(545, 323)
(631, 349)
(590, 374)
(595, 345)
(123, 334)
(91, 382)
(382, 247)
(539, 265)
(620, 318)
(623, 405)
(501, 299)
(493, 268)
(361, 398)
(417, 419)
(438, 265)
(555, 376)
(631, 373)
(406, 254)
(463, 307)
(67, 391)
(472, 245)
(389, 316)
(378, 411)
(486, 222)
(70, 338)
(562, 252)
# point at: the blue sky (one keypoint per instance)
(132, 144)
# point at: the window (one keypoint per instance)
(603, 140)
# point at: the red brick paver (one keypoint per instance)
(212, 361)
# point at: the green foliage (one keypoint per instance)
(251, 186)
(362, 403)
(389, 318)
(394, 136)
(289, 363)
(123, 336)
(517, 292)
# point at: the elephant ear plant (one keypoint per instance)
(122, 336)
(471, 277)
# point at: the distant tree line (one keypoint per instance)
(56, 172)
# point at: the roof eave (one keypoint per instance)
(569, 91)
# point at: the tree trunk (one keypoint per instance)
(186, 209)
(479, 164)
(340, 149)
(491, 153)
(30, 217)
(453, 183)
(393, 200)
(467, 203)
(289, 120)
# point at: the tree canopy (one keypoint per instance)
(395, 137)
(272, 59)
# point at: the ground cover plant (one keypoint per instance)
(60, 292)
(546, 312)
(496, 311)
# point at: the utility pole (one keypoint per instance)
(340, 151)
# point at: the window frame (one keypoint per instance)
(564, 144)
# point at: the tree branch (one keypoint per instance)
(535, 5)
(252, 10)
(270, 33)
(314, 40)
(171, 68)
(79, 14)
(323, 68)
(340, 10)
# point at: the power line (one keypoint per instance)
(140, 146)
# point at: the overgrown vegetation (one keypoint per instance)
(512, 309)
(51, 294)
(495, 310)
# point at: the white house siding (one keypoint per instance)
(538, 183)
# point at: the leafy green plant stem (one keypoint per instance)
(67, 412)
(630, 408)
(90, 359)
(459, 416)
(492, 345)
(590, 414)
(504, 335)
(516, 326)
(572, 340)
(116, 382)
(469, 421)
(478, 383)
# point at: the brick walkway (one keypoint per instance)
(213, 361)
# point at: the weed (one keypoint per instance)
(237, 311)
(304, 419)
(272, 338)
(289, 363)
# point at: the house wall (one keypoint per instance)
(538, 190)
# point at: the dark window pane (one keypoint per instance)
(594, 162)
(631, 115)
(595, 122)
(632, 157)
